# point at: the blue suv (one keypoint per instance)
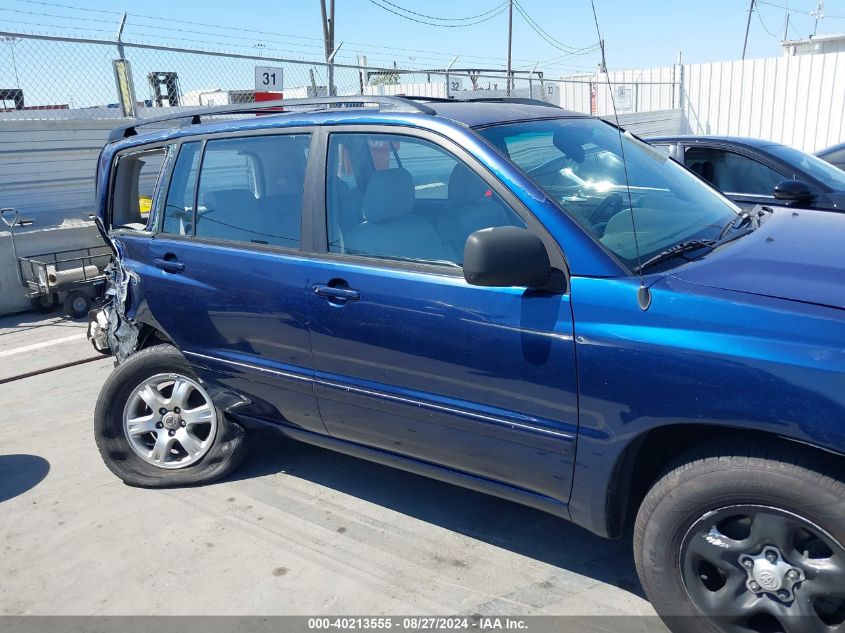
(503, 295)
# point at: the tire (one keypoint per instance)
(705, 529)
(44, 304)
(77, 304)
(217, 454)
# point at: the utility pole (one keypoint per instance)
(510, 42)
(747, 28)
(818, 15)
(786, 21)
(328, 40)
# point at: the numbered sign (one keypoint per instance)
(268, 78)
(551, 93)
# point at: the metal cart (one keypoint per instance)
(73, 277)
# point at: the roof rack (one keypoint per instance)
(515, 100)
(385, 104)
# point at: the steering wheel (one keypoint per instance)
(607, 208)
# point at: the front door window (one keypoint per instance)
(731, 172)
(402, 198)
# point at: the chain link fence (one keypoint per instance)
(51, 77)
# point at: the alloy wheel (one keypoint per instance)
(170, 421)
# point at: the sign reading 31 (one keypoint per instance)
(269, 78)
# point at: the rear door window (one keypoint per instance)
(251, 189)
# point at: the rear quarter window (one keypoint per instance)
(137, 180)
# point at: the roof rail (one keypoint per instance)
(385, 104)
(515, 100)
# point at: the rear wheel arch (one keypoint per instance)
(163, 449)
(150, 335)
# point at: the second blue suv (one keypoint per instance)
(504, 295)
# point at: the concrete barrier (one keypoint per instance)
(47, 171)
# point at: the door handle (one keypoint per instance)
(330, 292)
(170, 265)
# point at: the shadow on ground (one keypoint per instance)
(501, 523)
(20, 473)
(23, 321)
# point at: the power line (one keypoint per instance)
(780, 6)
(763, 24)
(65, 6)
(159, 18)
(569, 51)
(97, 20)
(543, 33)
(432, 17)
(60, 26)
(445, 26)
(169, 30)
(53, 15)
(810, 13)
(221, 45)
(563, 58)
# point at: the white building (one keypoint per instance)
(815, 45)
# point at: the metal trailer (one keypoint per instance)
(73, 278)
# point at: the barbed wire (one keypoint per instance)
(365, 48)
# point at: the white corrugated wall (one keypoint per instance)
(798, 101)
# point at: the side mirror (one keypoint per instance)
(506, 256)
(794, 192)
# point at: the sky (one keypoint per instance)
(638, 33)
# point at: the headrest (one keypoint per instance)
(704, 169)
(465, 185)
(570, 142)
(708, 172)
(389, 193)
(229, 199)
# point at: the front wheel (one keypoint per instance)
(746, 539)
(156, 426)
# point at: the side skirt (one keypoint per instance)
(479, 484)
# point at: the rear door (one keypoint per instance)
(224, 275)
(411, 359)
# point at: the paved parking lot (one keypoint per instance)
(298, 530)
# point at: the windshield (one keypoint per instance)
(578, 162)
(822, 171)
